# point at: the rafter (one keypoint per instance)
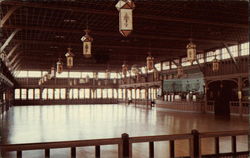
(113, 34)
(114, 13)
(8, 40)
(13, 50)
(65, 44)
(8, 14)
(231, 56)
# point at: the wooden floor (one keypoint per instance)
(28, 124)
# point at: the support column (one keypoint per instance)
(205, 97)
(126, 95)
(147, 96)
(135, 95)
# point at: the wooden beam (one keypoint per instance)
(8, 14)
(115, 13)
(17, 62)
(8, 40)
(14, 58)
(65, 44)
(113, 34)
(13, 50)
(231, 55)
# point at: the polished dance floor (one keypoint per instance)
(29, 124)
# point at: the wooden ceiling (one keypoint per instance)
(164, 27)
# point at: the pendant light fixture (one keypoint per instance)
(125, 8)
(191, 51)
(124, 69)
(150, 62)
(52, 71)
(87, 43)
(69, 57)
(215, 64)
(59, 66)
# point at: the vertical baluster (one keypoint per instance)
(171, 149)
(151, 149)
(47, 153)
(234, 149)
(126, 148)
(196, 148)
(97, 151)
(73, 152)
(19, 154)
(217, 146)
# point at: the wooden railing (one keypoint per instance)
(125, 144)
(236, 108)
(195, 106)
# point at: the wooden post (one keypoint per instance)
(217, 146)
(47, 153)
(73, 152)
(234, 149)
(151, 149)
(19, 154)
(97, 151)
(171, 149)
(195, 149)
(126, 146)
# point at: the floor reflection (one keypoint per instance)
(28, 124)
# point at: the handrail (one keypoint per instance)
(125, 144)
(61, 144)
(224, 133)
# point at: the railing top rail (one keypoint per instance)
(159, 138)
(224, 133)
(62, 144)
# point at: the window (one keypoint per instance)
(158, 66)
(234, 50)
(87, 93)
(105, 93)
(44, 93)
(37, 93)
(90, 74)
(62, 75)
(185, 62)
(109, 93)
(225, 54)
(133, 93)
(244, 48)
(17, 93)
(24, 94)
(57, 93)
(35, 74)
(21, 74)
(50, 93)
(99, 93)
(75, 93)
(165, 65)
(74, 74)
(63, 93)
(173, 66)
(115, 93)
(119, 93)
(81, 93)
(30, 94)
(113, 75)
(143, 96)
(101, 75)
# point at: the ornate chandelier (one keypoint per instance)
(125, 8)
(59, 65)
(191, 51)
(87, 41)
(69, 56)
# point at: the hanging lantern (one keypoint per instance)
(179, 71)
(124, 69)
(135, 69)
(239, 95)
(95, 75)
(107, 74)
(125, 8)
(155, 72)
(39, 82)
(150, 62)
(52, 72)
(215, 64)
(59, 65)
(191, 52)
(69, 56)
(86, 39)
